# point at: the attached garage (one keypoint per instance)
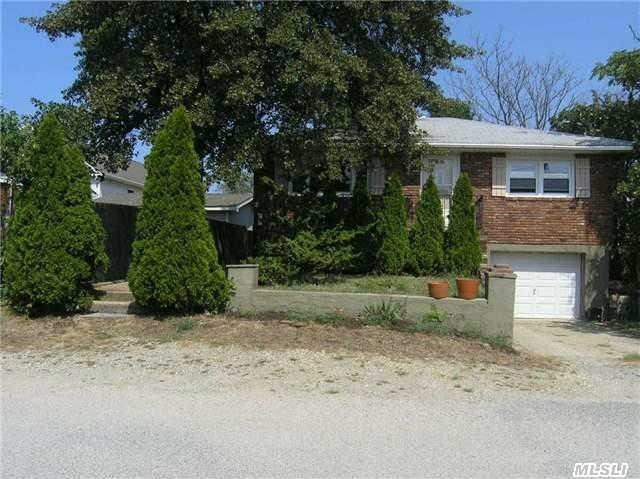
(548, 285)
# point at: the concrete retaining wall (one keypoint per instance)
(492, 316)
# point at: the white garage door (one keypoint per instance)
(547, 285)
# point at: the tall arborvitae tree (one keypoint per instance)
(55, 241)
(175, 263)
(360, 213)
(427, 234)
(462, 242)
(393, 238)
(360, 218)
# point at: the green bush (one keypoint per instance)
(273, 270)
(393, 239)
(386, 313)
(175, 265)
(306, 254)
(55, 240)
(462, 242)
(427, 234)
(326, 252)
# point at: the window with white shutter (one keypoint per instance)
(445, 172)
(498, 177)
(376, 177)
(583, 178)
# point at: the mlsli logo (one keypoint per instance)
(600, 469)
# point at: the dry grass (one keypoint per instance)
(631, 358)
(268, 332)
(383, 284)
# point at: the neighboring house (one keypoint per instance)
(543, 202)
(6, 197)
(125, 186)
(234, 208)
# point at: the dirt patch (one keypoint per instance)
(265, 333)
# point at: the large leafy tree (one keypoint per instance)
(616, 114)
(317, 83)
(79, 128)
(55, 241)
(174, 264)
(15, 134)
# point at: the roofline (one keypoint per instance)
(235, 208)
(490, 146)
(120, 179)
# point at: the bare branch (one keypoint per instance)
(510, 90)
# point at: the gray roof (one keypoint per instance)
(125, 199)
(226, 201)
(213, 201)
(457, 133)
(134, 173)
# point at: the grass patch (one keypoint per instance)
(631, 358)
(321, 318)
(382, 284)
(185, 324)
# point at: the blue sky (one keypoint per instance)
(582, 32)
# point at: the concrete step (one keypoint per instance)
(103, 295)
(118, 286)
(113, 307)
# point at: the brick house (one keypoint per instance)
(543, 205)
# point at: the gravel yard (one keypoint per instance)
(212, 396)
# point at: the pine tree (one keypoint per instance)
(361, 220)
(393, 239)
(55, 240)
(175, 263)
(462, 242)
(360, 213)
(427, 234)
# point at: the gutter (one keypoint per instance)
(120, 179)
(497, 146)
(235, 208)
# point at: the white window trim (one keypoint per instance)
(352, 185)
(540, 161)
(340, 194)
(424, 171)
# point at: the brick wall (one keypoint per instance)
(412, 197)
(543, 220)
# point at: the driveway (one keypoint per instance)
(594, 352)
(574, 340)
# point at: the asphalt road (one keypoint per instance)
(55, 426)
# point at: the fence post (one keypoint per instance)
(501, 293)
(245, 279)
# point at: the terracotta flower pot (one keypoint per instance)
(468, 288)
(438, 289)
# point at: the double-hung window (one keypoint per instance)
(540, 178)
(523, 177)
(556, 177)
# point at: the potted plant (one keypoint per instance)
(438, 289)
(468, 287)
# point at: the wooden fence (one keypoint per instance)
(234, 243)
